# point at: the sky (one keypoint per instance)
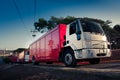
(17, 22)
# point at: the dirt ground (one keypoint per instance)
(43, 72)
(26, 72)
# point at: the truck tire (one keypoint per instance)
(34, 61)
(94, 61)
(69, 58)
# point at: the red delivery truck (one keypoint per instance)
(77, 41)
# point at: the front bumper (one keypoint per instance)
(92, 53)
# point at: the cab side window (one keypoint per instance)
(72, 28)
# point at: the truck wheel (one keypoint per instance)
(34, 62)
(94, 61)
(69, 59)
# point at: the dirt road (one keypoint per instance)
(84, 71)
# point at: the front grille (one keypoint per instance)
(101, 54)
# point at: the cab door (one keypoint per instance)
(73, 36)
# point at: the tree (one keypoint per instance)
(52, 22)
(68, 19)
(117, 28)
(42, 23)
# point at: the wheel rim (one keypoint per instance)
(68, 58)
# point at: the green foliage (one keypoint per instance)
(116, 36)
(40, 24)
(52, 22)
(117, 28)
(68, 19)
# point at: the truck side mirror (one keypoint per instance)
(78, 32)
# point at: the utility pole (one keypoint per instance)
(33, 31)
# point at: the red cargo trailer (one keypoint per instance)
(48, 47)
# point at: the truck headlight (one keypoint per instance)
(79, 54)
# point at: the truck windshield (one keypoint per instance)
(90, 26)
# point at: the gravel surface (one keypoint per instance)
(30, 72)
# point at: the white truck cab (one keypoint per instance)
(87, 41)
